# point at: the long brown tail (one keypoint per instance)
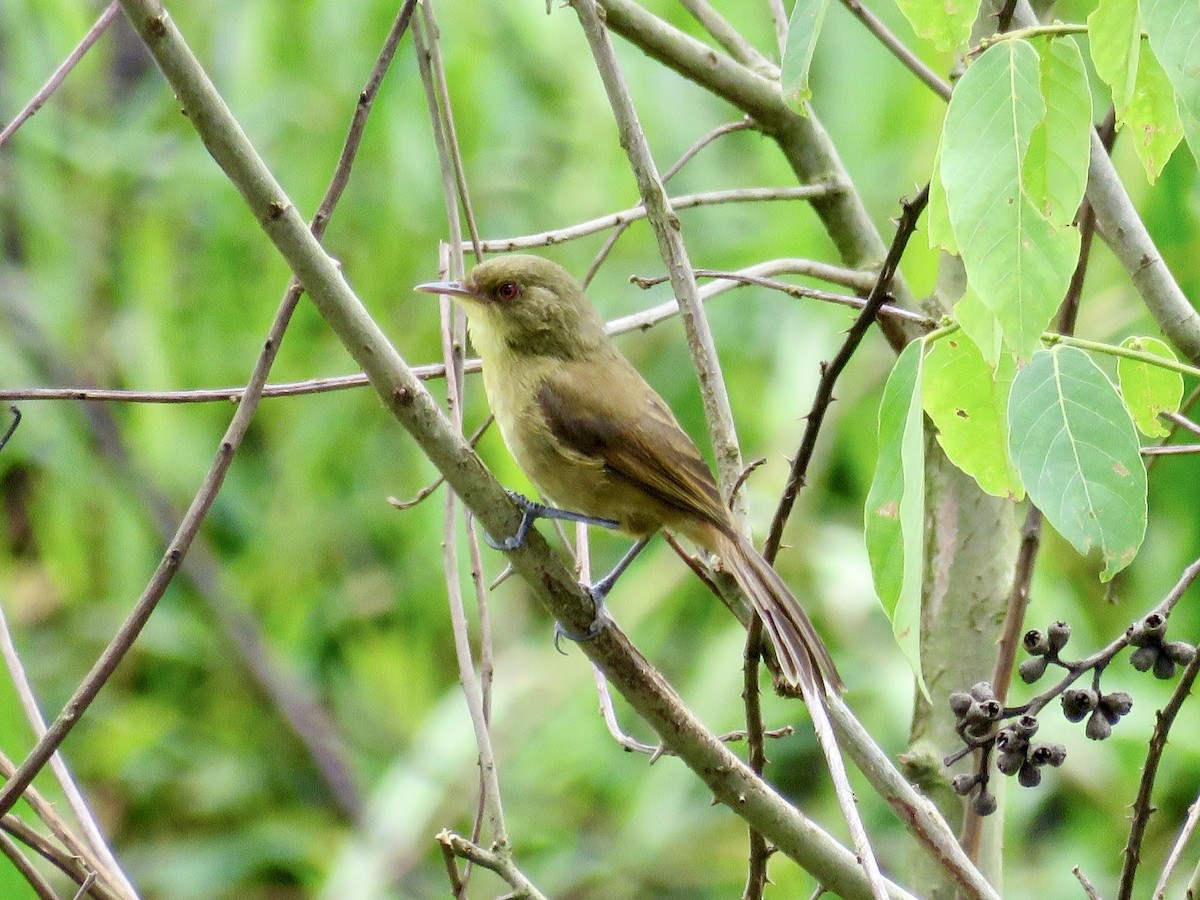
(799, 648)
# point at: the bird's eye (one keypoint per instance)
(510, 290)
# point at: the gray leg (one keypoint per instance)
(532, 511)
(598, 592)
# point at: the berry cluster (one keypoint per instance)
(1153, 650)
(979, 715)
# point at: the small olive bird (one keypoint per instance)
(601, 445)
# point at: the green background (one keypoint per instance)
(127, 260)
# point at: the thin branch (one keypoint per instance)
(729, 37)
(95, 850)
(911, 212)
(674, 252)
(1053, 29)
(609, 714)
(440, 92)
(641, 321)
(916, 812)
(1185, 834)
(702, 142)
(801, 292)
(779, 18)
(634, 213)
(1172, 450)
(759, 852)
(1142, 807)
(12, 427)
(1089, 889)
(1182, 421)
(910, 60)
(39, 99)
(358, 122)
(40, 885)
(63, 860)
(190, 523)
(496, 862)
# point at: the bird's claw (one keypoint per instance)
(599, 620)
(529, 512)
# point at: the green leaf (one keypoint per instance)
(969, 406)
(895, 508)
(1149, 389)
(1173, 27)
(1017, 260)
(946, 23)
(803, 30)
(1074, 443)
(937, 214)
(1115, 37)
(979, 323)
(1056, 163)
(1153, 118)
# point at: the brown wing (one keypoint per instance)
(644, 446)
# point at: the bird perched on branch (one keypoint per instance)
(603, 447)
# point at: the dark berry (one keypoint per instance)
(1097, 727)
(1058, 634)
(1144, 658)
(1032, 669)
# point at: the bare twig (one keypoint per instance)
(759, 851)
(39, 99)
(1171, 450)
(1181, 420)
(1089, 889)
(801, 139)
(911, 61)
(71, 866)
(40, 885)
(12, 427)
(729, 37)
(634, 213)
(640, 321)
(1185, 834)
(95, 850)
(439, 89)
(1142, 807)
(609, 714)
(688, 155)
(779, 18)
(146, 604)
(911, 212)
(437, 482)
(802, 292)
(500, 864)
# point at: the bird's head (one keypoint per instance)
(526, 304)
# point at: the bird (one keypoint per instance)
(602, 446)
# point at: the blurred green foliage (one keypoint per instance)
(129, 261)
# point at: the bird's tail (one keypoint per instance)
(803, 658)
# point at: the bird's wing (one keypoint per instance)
(646, 448)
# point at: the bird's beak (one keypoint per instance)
(453, 288)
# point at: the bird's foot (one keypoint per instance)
(531, 511)
(599, 619)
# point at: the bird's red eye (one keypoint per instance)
(510, 290)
